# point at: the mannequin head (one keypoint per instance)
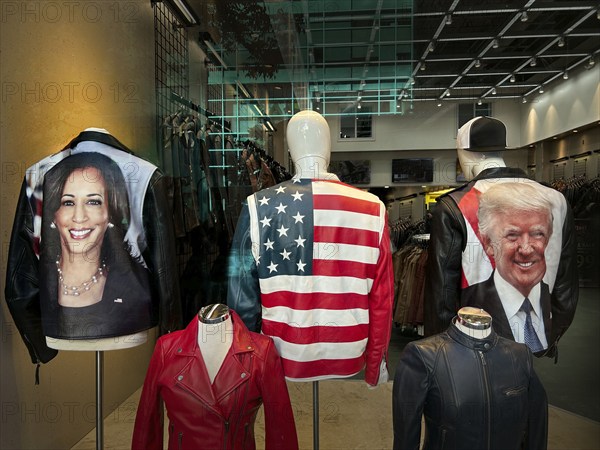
(474, 322)
(309, 142)
(480, 143)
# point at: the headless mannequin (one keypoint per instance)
(215, 336)
(474, 322)
(309, 142)
(473, 163)
(102, 344)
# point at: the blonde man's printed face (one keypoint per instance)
(517, 246)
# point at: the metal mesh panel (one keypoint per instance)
(171, 63)
(171, 77)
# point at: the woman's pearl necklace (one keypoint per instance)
(85, 286)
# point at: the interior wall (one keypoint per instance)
(438, 124)
(66, 66)
(566, 106)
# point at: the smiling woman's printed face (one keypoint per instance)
(82, 218)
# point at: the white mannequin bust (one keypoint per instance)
(309, 142)
(473, 163)
(215, 336)
(103, 344)
(480, 143)
(474, 322)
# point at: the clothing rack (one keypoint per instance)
(210, 117)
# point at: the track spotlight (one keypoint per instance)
(565, 75)
(479, 101)
(423, 66)
(533, 62)
(513, 78)
(493, 91)
(431, 46)
(541, 91)
(477, 63)
(561, 41)
(495, 43)
(524, 16)
(448, 19)
(524, 100)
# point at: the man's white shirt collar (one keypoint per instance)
(512, 299)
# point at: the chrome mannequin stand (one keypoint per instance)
(315, 415)
(99, 402)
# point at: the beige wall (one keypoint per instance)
(66, 66)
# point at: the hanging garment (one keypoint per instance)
(311, 259)
(458, 259)
(140, 284)
(221, 414)
(473, 394)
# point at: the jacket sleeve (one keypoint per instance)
(443, 274)
(160, 254)
(280, 428)
(22, 283)
(243, 291)
(565, 293)
(381, 301)
(148, 427)
(408, 398)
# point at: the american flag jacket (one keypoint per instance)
(311, 267)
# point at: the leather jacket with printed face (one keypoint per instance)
(450, 246)
(473, 393)
(218, 415)
(157, 247)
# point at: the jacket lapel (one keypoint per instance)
(193, 377)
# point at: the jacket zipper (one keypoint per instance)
(180, 440)
(487, 398)
(226, 434)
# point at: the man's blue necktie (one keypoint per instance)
(531, 338)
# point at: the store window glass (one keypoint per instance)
(357, 124)
(467, 111)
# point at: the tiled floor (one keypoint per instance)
(351, 416)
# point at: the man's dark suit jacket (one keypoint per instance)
(485, 296)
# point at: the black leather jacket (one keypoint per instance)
(474, 394)
(22, 290)
(443, 275)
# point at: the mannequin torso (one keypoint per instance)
(215, 336)
(112, 343)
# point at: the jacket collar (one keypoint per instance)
(97, 136)
(482, 345)
(235, 371)
(242, 340)
(501, 172)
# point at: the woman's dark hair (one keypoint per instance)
(116, 196)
